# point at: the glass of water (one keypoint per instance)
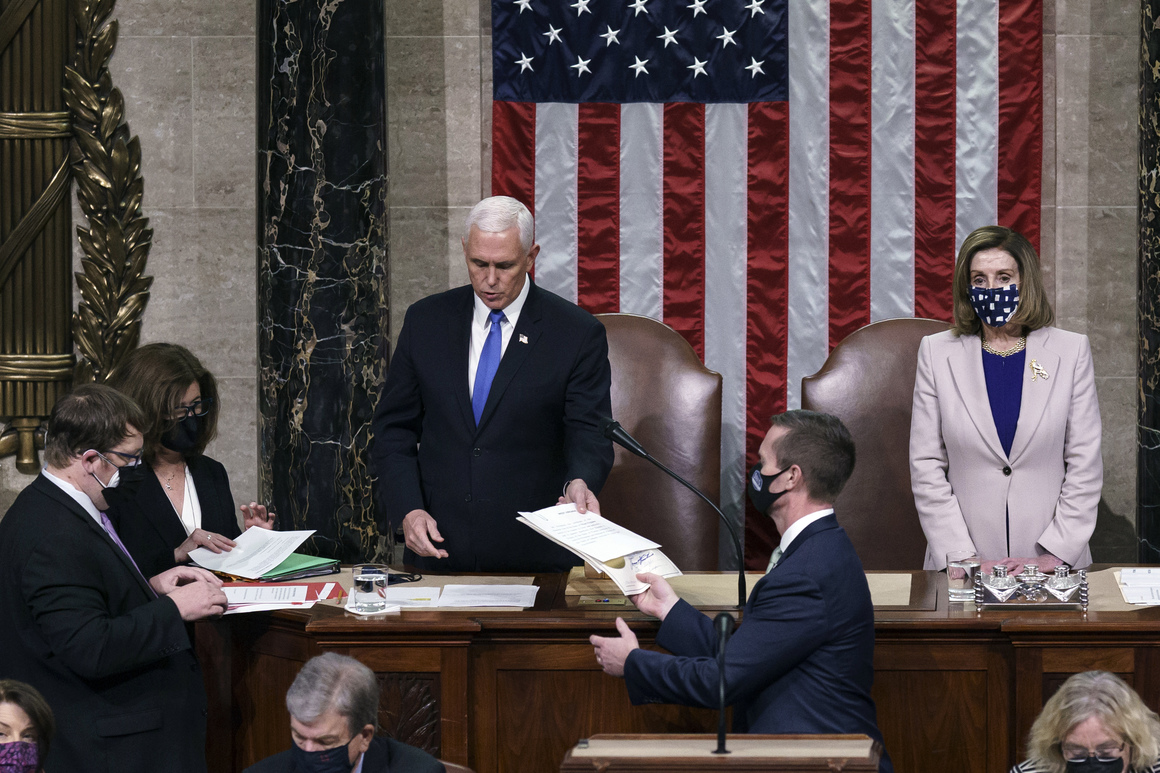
(962, 566)
(369, 589)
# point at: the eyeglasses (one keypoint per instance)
(199, 407)
(131, 460)
(1104, 752)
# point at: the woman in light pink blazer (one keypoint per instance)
(1005, 431)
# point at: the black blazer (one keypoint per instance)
(385, 755)
(802, 660)
(539, 429)
(80, 624)
(151, 529)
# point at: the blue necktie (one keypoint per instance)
(488, 364)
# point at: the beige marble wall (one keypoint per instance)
(1092, 50)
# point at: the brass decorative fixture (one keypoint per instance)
(106, 163)
(38, 118)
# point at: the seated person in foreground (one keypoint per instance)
(26, 727)
(1095, 723)
(334, 710)
(803, 659)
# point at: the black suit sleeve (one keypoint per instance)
(218, 513)
(588, 454)
(397, 426)
(67, 586)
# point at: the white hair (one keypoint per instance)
(499, 213)
(339, 682)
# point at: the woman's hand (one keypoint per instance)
(202, 539)
(255, 514)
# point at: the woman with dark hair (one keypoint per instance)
(185, 501)
(26, 728)
(1005, 429)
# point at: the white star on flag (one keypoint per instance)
(525, 5)
(639, 66)
(581, 66)
(553, 34)
(698, 6)
(638, 6)
(670, 36)
(698, 67)
(754, 8)
(581, 6)
(754, 67)
(726, 37)
(610, 36)
(525, 62)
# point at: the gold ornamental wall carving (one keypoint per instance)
(61, 120)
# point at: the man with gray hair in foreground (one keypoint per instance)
(334, 710)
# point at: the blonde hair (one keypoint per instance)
(1034, 310)
(1102, 695)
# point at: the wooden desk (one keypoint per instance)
(513, 690)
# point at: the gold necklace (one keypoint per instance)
(1019, 346)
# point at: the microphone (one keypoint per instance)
(723, 623)
(617, 434)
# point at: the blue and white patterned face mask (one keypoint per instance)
(995, 306)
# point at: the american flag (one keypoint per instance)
(765, 176)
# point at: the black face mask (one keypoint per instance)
(336, 760)
(759, 493)
(129, 480)
(183, 437)
(1095, 765)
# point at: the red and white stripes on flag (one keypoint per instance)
(767, 232)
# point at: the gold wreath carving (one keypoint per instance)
(106, 164)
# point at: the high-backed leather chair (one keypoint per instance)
(670, 402)
(868, 383)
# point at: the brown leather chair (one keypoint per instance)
(669, 401)
(868, 382)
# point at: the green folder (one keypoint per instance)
(296, 566)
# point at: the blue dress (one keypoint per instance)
(1004, 377)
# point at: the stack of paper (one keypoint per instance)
(609, 548)
(1141, 585)
(257, 552)
(250, 597)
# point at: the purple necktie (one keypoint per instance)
(107, 525)
(488, 364)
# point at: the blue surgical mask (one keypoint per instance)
(995, 306)
(19, 757)
(336, 760)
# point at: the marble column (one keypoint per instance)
(1148, 295)
(322, 260)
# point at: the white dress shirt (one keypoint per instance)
(798, 526)
(81, 497)
(190, 513)
(480, 325)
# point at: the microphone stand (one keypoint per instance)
(723, 622)
(617, 434)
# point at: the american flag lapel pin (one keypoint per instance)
(523, 338)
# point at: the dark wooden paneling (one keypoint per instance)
(933, 720)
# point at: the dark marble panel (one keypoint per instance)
(322, 296)
(1148, 289)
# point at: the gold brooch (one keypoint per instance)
(1038, 371)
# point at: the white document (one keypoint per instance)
(258, 551)
(412, 597)
(488, 596)
(587, 533)
(266, 594)
(1149, 595)
(1140, 577)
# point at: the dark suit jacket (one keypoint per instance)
(81, 625)
(539, 429)
(385, 755)
(802, 660)
(151, 529)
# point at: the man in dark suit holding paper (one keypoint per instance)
(491, 406)
(802, 659)
(106, 647)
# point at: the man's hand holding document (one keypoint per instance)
(612, 549)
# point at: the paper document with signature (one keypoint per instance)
(607, 547)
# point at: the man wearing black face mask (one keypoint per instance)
(334, 710)
(107, 647)
(802, 660)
